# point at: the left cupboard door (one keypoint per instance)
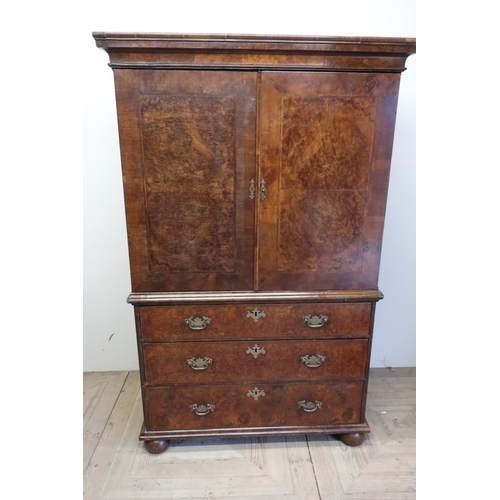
(187, 141)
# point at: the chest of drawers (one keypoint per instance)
(255, 173)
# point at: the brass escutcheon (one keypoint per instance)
(197, 323)
(262, 190)
(315, 321)
(256, 350)
(252, 189)
(255, 393)
(256, 314)
(313, 361)
(200, 363)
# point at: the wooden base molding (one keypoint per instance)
(160, 445)
(349, 430)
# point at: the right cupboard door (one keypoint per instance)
(326, 143)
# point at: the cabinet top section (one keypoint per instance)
(228, 51)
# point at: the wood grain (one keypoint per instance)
(188, 154)
(189, 159)
(321, 231)
(326, 142)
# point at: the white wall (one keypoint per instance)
(109, 335)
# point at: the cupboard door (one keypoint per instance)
(188, 154)
(326, 143)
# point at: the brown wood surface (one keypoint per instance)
(326, 148)
(230, 361)
(242, 297)
(166, 50)
(169, 407)
(199, 117)
(188, 154)
(282, 321)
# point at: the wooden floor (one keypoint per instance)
(117, 467)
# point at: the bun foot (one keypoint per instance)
(353, 439)
(156, 447)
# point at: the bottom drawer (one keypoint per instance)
(250, 405)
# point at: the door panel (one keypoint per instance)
(190, 219)
(325, 157)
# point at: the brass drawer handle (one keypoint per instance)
(255, 351)
(197, 323)
(202, 409)
(313, 361)
(315, 321)
(310, 406)
(199, 364)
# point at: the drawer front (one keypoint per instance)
(214, 362)
(208, 322)
(237, 406)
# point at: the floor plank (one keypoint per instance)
(100, 393)
(104, 453)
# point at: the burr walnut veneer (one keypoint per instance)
(255, 171)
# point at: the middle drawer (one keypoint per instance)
(207, 362)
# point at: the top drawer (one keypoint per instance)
(255, 321)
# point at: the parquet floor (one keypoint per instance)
(117, 467)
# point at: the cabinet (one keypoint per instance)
(255, 173)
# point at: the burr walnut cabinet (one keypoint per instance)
(255, 173)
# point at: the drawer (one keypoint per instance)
(162, 323)
(250, 405)
(215, 362)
